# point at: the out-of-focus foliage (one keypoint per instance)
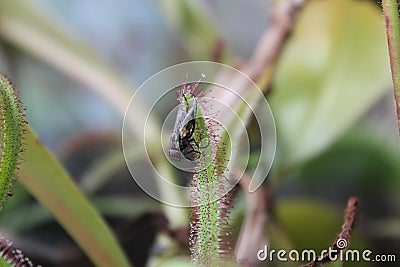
(333, 70)
(47, 180)
(326, 98)
(307, 225)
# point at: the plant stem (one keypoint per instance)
(11, 122)
(209, 228)
(391, 14)
(205, 242)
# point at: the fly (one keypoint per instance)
(182, 139)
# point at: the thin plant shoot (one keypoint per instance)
(194, 139)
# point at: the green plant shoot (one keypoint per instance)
(11, 129)
(196, 140)
(12, 121)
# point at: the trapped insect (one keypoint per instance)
(182, 140)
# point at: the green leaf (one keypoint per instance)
(46, 179)
(116, 207)
(361, 159)
(300, 218)
(334, 69)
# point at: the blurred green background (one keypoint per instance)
(330, 94)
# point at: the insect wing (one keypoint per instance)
(174, 152)
(190, 114)
(183, 128)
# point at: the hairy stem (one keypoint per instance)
(11, 134)
(391, 14)
(11, 129)
(205, 226)
(197, 141)
(11, 256)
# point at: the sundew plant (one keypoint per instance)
(194, 138)
(12, 129)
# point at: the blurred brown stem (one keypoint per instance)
(252, 235)
(342, 239)
(269, 48)
(391, 15)
(259, 68)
